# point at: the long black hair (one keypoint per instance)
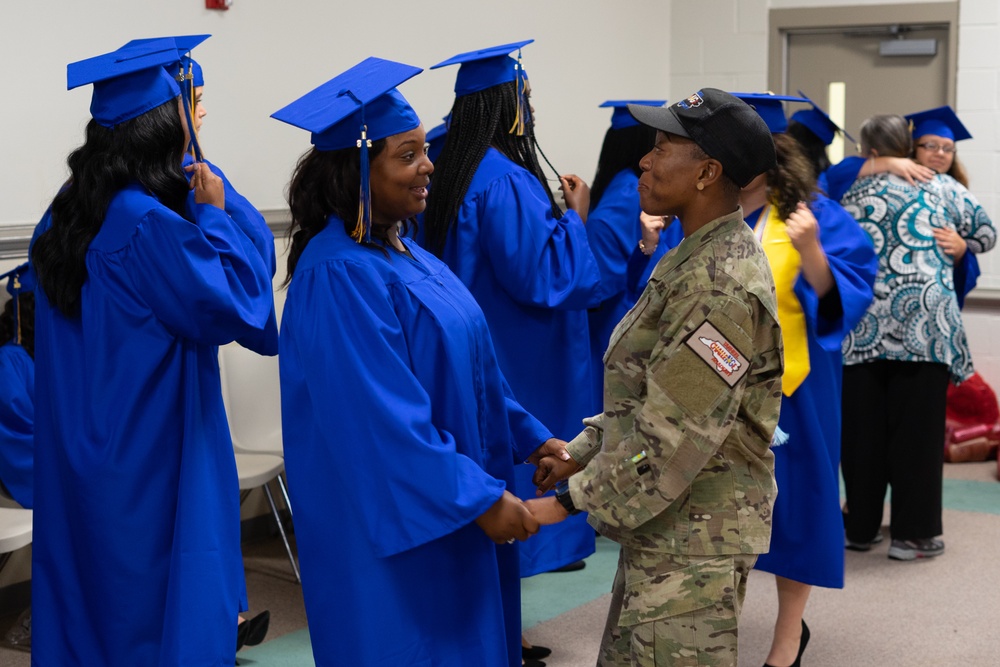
(146, 149)
(478, 120)
(622, 149)
(25, 303)
(324, 183)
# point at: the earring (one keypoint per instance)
(700, 186)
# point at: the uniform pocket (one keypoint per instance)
(659, 585)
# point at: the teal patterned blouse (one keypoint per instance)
(915, 315)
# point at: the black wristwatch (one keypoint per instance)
(562, 495)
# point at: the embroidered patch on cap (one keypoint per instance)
(692, 102)
(721, 356)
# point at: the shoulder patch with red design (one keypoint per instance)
(719, 353)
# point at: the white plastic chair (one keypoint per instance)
(15, 531)
(253, 403)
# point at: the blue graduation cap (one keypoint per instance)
(621, 118)
(21, 280)
(127, 82)
(188, 75)
(353, 109)
(485, 68)
(435, 139)
(768, 106)
(819, 122)
(941, 122)
(185, 68)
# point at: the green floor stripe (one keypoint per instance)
(546, 596)
(972, 496)
(291, 650)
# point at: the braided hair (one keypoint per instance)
(622, 149)
(478, 121)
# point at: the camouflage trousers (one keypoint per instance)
(674, 611)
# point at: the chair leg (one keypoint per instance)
(4, 558)
(281, 529)
(284, 494)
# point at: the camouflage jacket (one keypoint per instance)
(679, 462)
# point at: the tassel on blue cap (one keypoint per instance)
(523, 110)
(188, 75)
(352, 110)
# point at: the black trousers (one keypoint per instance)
(893, 436)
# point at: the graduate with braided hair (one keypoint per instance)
(493, 219)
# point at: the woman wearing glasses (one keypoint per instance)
(934, 132)
(907, 347)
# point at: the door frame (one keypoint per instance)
(785, 22)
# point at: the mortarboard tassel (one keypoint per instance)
(362, 230)
(17, 308)
(186, 82)
(522, 112)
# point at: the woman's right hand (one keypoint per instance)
(208, 188)
(507, 519)
(576, 192)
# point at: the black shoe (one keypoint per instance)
(258, 628)
(253, 630)
(572, 567)
(802, 647)
(532, 663)
(535, 652)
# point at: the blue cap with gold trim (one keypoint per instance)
(353, 109)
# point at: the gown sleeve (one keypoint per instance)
(204, 281)
(249, 219)
(528, 432)
(841, 176)
(539, 260)
(348, 386)
(966, 274)
(853, 263)
(613, 231)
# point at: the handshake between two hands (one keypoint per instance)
(510, 519)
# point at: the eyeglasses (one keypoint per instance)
(934, 148)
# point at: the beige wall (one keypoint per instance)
(730, 52)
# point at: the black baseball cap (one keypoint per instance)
(725, 127)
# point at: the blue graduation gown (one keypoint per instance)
(613, 230)
(534, 277)
(399, 431)
(807, 537)
(253, 224)
(136, 554)
(839, 178)
(17, 422)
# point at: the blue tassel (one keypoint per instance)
(779, 438)
(363, 228)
